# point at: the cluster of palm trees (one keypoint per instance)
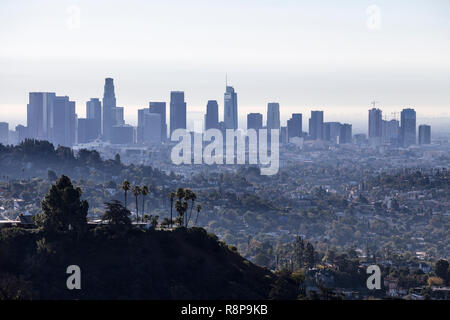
(184, 201)
(183, 197)
(136, 191)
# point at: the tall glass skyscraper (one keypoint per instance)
(230, 108)
(316, 125)
(408, 127)
(212, 115)
(39, 112)
(273, 115)
(160, 108)
(177, 111)
(375, 126)
(94, 113)
(109, 105)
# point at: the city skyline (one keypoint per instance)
(321, 58)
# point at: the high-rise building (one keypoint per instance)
(316, 125)
(390, 132)
(22, 133)
(94, 112)
(122, 134)
(230, 108)
(87, 130)
(212, 115)
(160, 108)
(118, 116)
(345, 135)
(294, 125)
(408, 127)
(177, 111)
(254, 121)
(39, 111)
(152, 128)
(331, 131)
(375, 126)
(63, 122)
(109, 105)
(4, 133)
(424, 134)
(273, 115)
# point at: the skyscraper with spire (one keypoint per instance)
(230, 108)
(109, 109)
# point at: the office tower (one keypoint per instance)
(109, 105)
(408, 127)
(177, 111)
(424, 134)
(390, 132)
(63, 122)
(375, 126)
(148, 124)
(4, 133)
(294, 125)
(273, 115)
(230, 108)
(254, 121)
(316, 125)
(212, 115)
(38, 114)
(152, 128)
(331, 131)
(94, 112)
(160, 108)
(284, 135)
(345, 135)
(122, 134)
(87, 130)
(22, 133)
(119, 119)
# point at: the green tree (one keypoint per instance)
(171, 197)
(62, 208)
(441, 269)
(198, 208)
(136, 192)
(116, 214)
(126, 186)
(144, 192)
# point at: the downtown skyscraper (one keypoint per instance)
(273, 115)
(177, 111)
(230, 108)
(109, 109)
(212, 115)
(375, 126)
(316, 125)
(160, 108)
(408, 127)
(39, 111)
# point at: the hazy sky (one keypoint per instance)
(331, 55)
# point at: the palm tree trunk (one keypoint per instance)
(143, 206)
(125, 199)
(190, 214)
(171, 206)
(137, 209)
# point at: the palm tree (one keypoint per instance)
(179, 204)
(126, 186)
(136, 192)
(171, 197)
(144, 192)
(199, 208)
(193, 197)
